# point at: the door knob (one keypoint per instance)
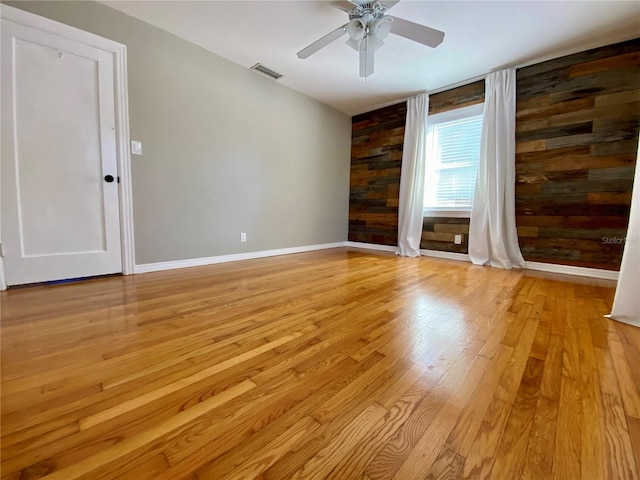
(109, 178)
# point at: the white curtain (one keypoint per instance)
(493, 239)
(626, 303)
(411, 200)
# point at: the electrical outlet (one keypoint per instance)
(243, 237)
(457, 240)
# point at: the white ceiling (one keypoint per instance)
(481, 36)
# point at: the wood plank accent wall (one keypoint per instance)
(376, 159)
(576, 138)
(577, 121)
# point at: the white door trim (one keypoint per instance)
(119, 52)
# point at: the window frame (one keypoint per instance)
(445, 117)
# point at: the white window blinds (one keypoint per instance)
(453, 151)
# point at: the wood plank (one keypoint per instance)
(447, 466)
(325, 460)
(541, 444)
(511, 455)
(592, 462)
(125, 447)
(619, 98)
(568, 451)
(552, 375)
(619, 449)
(510, 380)
(425, 451)
(629, 389)
(359, 458)
(92, 420)
(482, 456)
(469, 423)
(271, 453)
(602, 65)
(634, 437)
(391, 457)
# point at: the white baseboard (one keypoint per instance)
(448, 255)
(537, 266)
(571, 270)
(234, 257)
(372, 246)
(198, 262)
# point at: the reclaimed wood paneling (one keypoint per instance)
(376, 157)
(439, 234)
(577, 120)
(376, 160)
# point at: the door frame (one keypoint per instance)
(119, 53)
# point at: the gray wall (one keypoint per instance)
(225, 150)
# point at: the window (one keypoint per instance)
(453, 151)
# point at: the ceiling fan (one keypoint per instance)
(368, 27)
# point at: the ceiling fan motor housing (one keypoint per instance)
(368, 11)
(368, 19)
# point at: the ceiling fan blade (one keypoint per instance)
(389, 3)
(366, 59)
(344, 5)
(322, 42)
(418, 33)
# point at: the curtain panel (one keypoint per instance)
(410, 205)
(626, 303)
(493, 239)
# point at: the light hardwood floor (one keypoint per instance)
(334, 364)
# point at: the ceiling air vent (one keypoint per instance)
(267, 71)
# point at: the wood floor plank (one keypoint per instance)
(482, 455)
(619, 449)
(541, 446)
(510, 381)
(629, 389)
(119, 450)
(634, 437)
(511, 455)
(425, 451)
(447, 466)
(464, 433)
(568, 451)
(359, 458)
(259, 429)
(234, 424)
(341, 364)
(552, 375)
(256, 464)
(593, 441)
(88, 422)
(326, 459)
(394, 453)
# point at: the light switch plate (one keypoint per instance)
(136, 147)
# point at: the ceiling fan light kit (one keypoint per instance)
(368, 27)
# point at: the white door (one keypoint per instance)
(58, 171)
